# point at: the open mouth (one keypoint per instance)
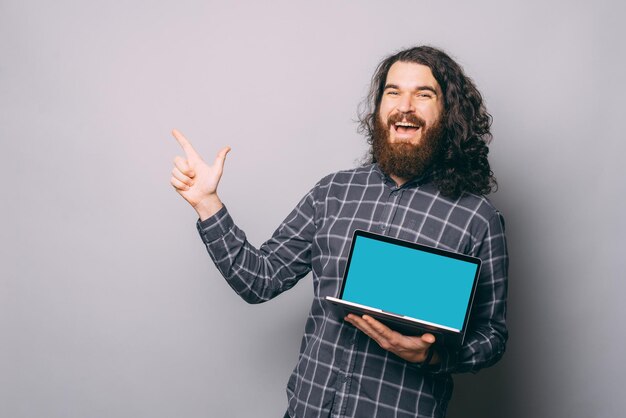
(406, 128)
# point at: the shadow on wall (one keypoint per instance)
(487, 394)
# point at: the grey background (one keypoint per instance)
(109, 305)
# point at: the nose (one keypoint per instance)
(405, 104)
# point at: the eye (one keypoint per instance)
(391, 93)
(424, 95)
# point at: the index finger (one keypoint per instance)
(185, 144)
(378, 326)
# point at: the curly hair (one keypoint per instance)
(462, 164)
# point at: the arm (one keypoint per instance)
(258, 275)
(487, 334)
(255, 274)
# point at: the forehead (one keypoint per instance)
(410, 75)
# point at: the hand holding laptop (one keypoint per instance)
(413, 349)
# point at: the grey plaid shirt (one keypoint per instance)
(341, 372)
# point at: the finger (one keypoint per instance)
(395, 338)
(388, 333)
(190, 152)
(358, 322)
(429, 338)
(183, 166)
(181, 177)
(379, 327)
(361, 324)
(221, 157)
(178, 185)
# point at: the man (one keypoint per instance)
(429, 131)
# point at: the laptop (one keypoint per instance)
(412, 288)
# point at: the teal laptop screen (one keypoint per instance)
(411, 282)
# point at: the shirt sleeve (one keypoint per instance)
(258, 275)
(487, 334)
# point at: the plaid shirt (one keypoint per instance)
(341, 372)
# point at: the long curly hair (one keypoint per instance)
(461, 165)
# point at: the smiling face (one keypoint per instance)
(408, 130)
(412, 102)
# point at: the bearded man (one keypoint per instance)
(426, 183)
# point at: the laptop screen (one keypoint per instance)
(409, 279)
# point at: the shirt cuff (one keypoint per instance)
(216, 226)
(446, 364)
(447, 361)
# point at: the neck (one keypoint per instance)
(399, 180)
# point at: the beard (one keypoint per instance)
(406, 160)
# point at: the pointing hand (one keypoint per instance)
(195, 180)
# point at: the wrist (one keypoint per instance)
(428, 357)
(208, 206)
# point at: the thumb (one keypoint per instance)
(429, 338)
(221, 157)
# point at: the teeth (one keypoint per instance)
(406, 124)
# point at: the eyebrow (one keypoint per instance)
(418, 88)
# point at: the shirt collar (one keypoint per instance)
(415, 182)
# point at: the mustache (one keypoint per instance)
(405, 117)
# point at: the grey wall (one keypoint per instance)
(109, 306)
